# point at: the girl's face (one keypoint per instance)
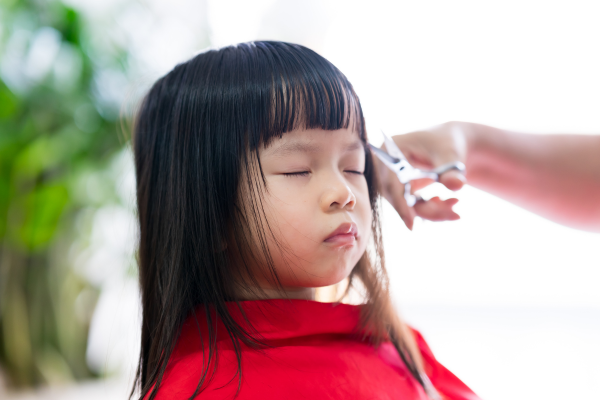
(317, 205)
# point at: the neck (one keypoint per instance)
(300, 293)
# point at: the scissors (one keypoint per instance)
(406, 173)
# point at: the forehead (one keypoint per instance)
(313, 141)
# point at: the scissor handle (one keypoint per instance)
(413, 174)
(407, 173)
(435, 174)
(457, 165)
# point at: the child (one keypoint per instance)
(255, 186)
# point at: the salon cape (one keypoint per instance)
(314, 353)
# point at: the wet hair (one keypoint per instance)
(196, 141)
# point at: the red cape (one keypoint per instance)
(315, 353)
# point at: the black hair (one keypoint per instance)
(196, 140)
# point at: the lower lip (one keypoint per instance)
(346, 239)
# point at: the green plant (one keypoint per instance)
(57, 134)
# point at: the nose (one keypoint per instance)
(337, 195)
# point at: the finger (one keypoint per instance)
(393, 191)
(453, 179)
(419, 158)
(396, 197)
(436, 209)
(420, 184)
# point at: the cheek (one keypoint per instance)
(293, 246)
(291, 216)
(363, 209)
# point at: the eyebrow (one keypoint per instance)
(308, 147)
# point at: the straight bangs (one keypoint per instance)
(297, 89)
(312, 93)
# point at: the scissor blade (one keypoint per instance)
(400, 167)
(392, 148)
(383, 156)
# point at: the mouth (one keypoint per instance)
(345, 234)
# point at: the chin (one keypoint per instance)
(329, 271)
(336, 274)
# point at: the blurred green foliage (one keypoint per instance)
(57, 132)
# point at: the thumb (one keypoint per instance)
(453, 179)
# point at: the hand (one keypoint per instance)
(427, 150)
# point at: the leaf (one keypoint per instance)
(8, 102)
(43, 208)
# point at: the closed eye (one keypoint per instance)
(355, 172)
(297, 174)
